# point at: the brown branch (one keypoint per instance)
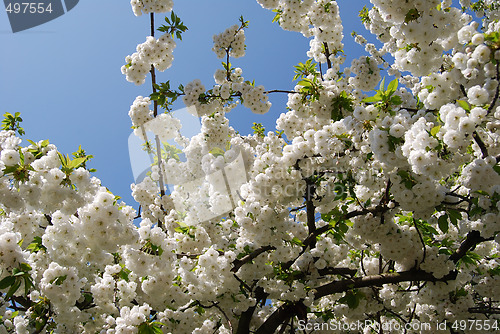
(228, 69)
(484, 310)
(247, 258)
(349, 215)
(473, 238)
(310, 210)
(462, 90)
(286, 311)
(281, 91)
(480, 143)
(327, 54)
(155, 113)
(23, 301)
(379, 280)
(189, 256)
(280, 316)
(492, 105)
(298, 208)
(225, 317)
(283, 313)
(421, 240)
(337, 271)
(246, 317)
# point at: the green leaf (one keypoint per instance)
(76, 162)
(435, 130)
(371, 99)
(382, 85)
(305, 83)
(28, 283)
(25, 267)
(396, 100)
(36, 245)
(59, 280)
(496, 168)
(14, 287)
(443, 223)
(124, 275)
(455, 216)
(217, 151)
(464, 105)
(297, 241)
(10, 169)
(18, 272)
(494, 271)
(393, 86)
(412, 15)
(351, 299)
(7, 281)
(364, 15)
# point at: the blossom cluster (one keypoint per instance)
(318, 19)
(359, 207)
(151, 6)
(153, 52)
(232, 41)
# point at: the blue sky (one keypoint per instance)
(64, 76)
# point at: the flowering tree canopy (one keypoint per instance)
(374, 200)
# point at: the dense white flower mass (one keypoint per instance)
(373, 202)
(153, 52)
(151, 6)
(232, 40)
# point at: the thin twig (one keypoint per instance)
(421, 240)
(492, 105)
(480, 143)
(155, 113)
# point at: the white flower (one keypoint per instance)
(478, 95)
(10, 157)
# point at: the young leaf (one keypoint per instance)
(443, 223)
(393, 86)
(464, 105)
(7, 281)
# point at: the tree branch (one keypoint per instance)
(155, 113)
(484, 310)
(247, 258)
(246, 317)
(310, 210)
(378, 280)
(327, 54)
(481, 144)
(473, 238)
(286, 311)
(280, 316)
(281, 91)
(497, 91)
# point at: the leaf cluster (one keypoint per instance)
(165, 96)
(364, 15)
(303, 70)
(258, 129)
(14, 281)
(341, 102)
(174, 26)
(13, 122)
(310, 89)
(412, 15)
(384, 97)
